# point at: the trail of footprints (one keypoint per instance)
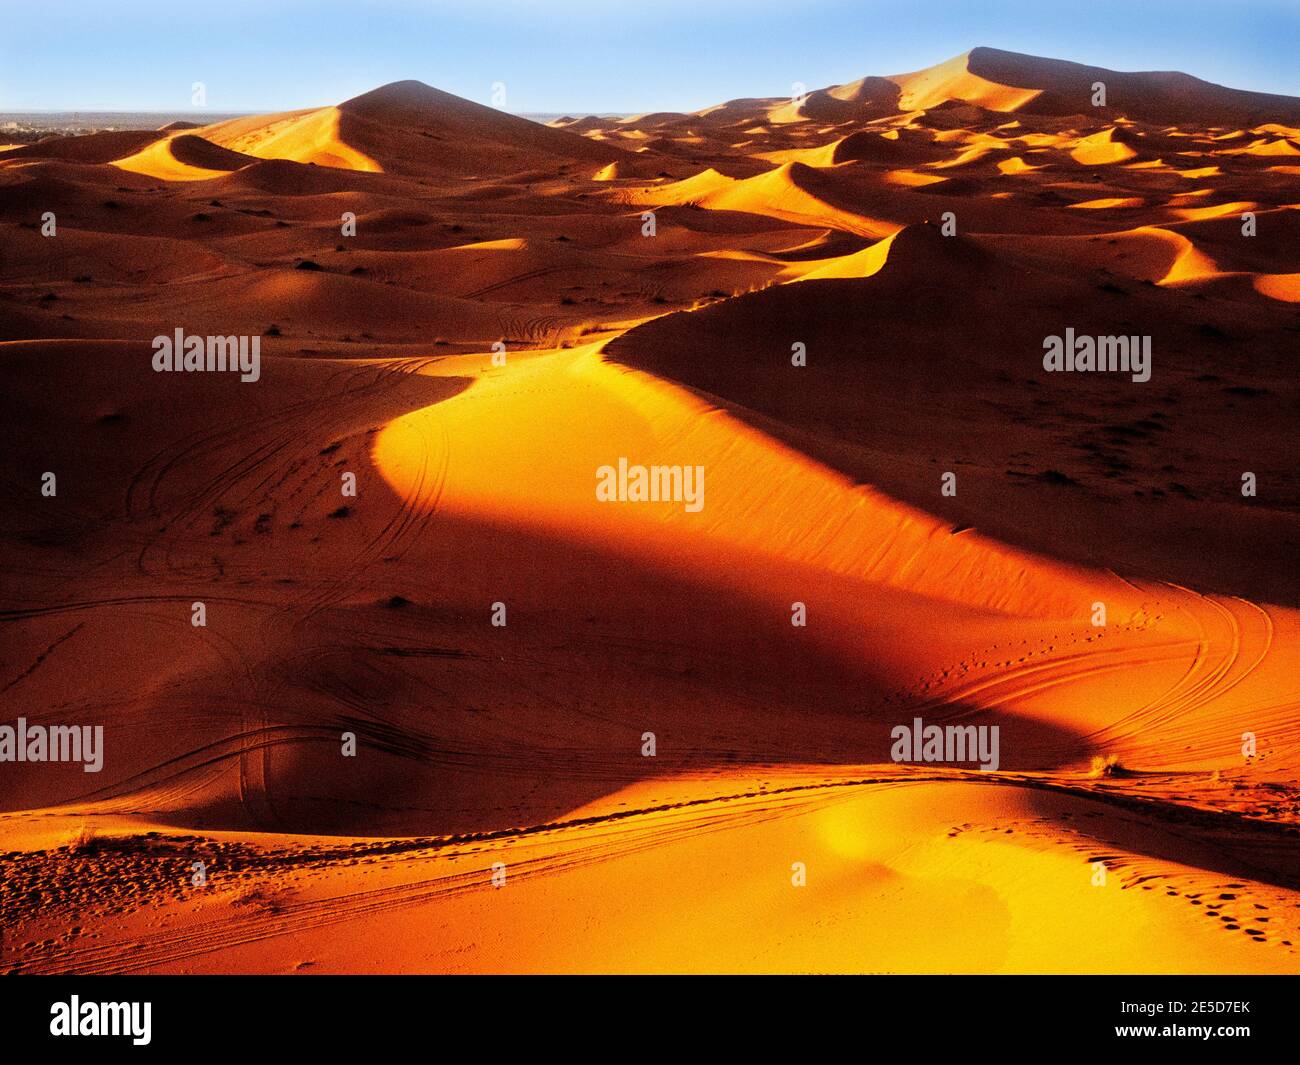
(1234, 904)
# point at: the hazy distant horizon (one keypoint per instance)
(77, 118)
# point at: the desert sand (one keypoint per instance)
(919, 235)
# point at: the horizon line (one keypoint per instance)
(606, 113)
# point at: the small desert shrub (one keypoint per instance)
(1105, 765)
(83, 840)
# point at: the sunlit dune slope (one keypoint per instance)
(184, 157)
(302, 137)
(793, 192)
(1001, 892)
(957, 80)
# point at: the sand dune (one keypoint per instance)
(184, 157)
(90, 148)
(408, 128)
(916, 237)
(1163, 97)
(993, 80)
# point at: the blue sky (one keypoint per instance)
(592, 55)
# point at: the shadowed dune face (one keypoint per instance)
(432, 647)
(973, 342)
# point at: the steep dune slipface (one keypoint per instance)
(314, 137)
(792, 191)
(795, 192)
(184, 157)
(858, 100)
(956, 80)
(1102, 149)
(835, 309)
